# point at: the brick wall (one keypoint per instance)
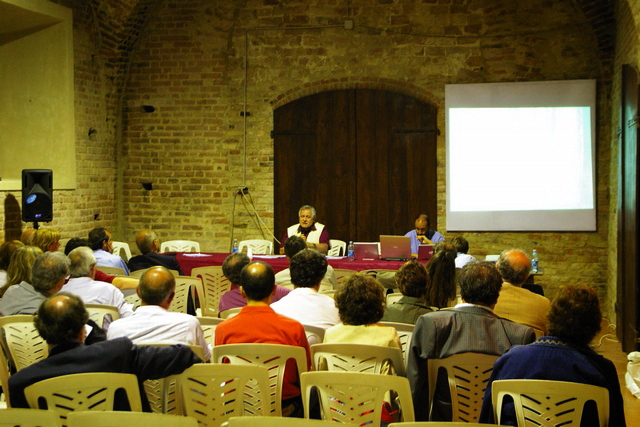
(190, 66)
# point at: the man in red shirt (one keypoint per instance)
(258, 323)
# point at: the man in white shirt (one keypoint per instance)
(152, 322)
(292, 246)
(102, 244)
(83, 284)
(304, 303)
(462, 247)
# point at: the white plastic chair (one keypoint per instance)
(122, 418)
(277, 422)
(468, 375)
(214, 285)
(119, 247)
(272, 356)
(337, 247)
(209, 325)
(111, 271)
(21, 342)
(393, 297)
(347, 357)
(180, 246)
(19, 417)
(139, 273)
(185, 286)
(315, 334)
(355, 397)
(549, 403)
(230, 312)
(440, 424)
(405, 332)
(257, 246)
(102, 313)
(93, 391)
(342, 275)
(213, 393)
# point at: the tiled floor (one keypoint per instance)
(611, 349)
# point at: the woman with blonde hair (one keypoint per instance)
(6, 250)
(46, 239)
(19, 270)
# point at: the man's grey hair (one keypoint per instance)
(145, 244)
(48, 270)
(512, 272)
(308, 208)
(82, 261)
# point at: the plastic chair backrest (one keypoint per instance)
(315, 334)
(119, 247)
(101, 313)
(212, 393)
(549, 403)
(186, 285)
(405, 332)
(22, 344)
(342, 275)
(208, 325)
(19, 417)
(162, 393)
(355, 397)
(134, 300)
(122, 418)
(111, 271)
(440, 424)
(93, 391)
(277, 422)
(214, 285)
(346, 357)
(468, 375)
(230, 312)
(180, 246)
(337, 248)
(257, 246)
(272, 356)
(393, 297)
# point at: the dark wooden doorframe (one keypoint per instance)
(366, 159)
(627, 302)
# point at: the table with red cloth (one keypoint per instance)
(190, 260)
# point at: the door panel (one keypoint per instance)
(373, 162)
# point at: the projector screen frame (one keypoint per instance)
(575, 93)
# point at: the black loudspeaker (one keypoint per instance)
(37, 195)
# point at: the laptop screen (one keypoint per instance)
(395, 247)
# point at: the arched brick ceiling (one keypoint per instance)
(601, 15)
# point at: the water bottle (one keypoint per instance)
(534, 261)
(234, 249)
(351, 252)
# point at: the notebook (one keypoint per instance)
(395, 247)
(366, 250)
(425, 252)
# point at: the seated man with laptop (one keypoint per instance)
(422, 234)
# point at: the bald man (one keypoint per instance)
(152, 321)
(149, 246)
(60, 320)
(422, 234)
(516, 303)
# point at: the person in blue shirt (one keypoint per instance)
(422, 234)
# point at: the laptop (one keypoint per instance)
(425, 252)
(366, 250)
(395, 248)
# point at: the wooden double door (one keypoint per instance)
(365, 159)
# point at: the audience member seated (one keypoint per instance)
(46, 239)
(6, 250)
(468, 327)
(258, 323)
(293, 245)
(152, 321)
(515, 303)
(413, 281)
(101, 243)
(462, 248)
(149, 246)
(441, 291)
(231, 268)
(304, 303)
(27, 236)
(19, 295)
(314, 234)
(361, 301)
(422, 234)
(564, 355)
(61, 320)
(82, 283)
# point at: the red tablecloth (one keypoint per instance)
(189, 261)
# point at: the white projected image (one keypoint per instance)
(536, 158)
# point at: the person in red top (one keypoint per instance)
(258, 323)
